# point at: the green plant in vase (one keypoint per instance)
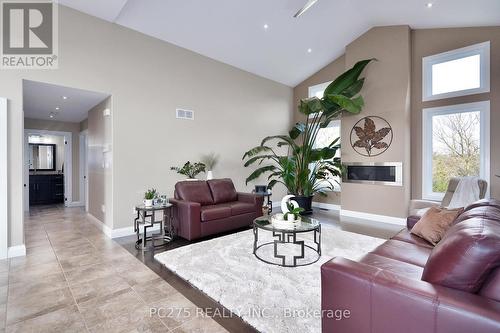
(210, 161)
(306, 170)
(191, 170)
(149, 196)
(292, 211)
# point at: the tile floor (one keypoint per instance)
(75, 279)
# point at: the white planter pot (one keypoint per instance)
(191, 179)
(290, 218)
(210, 175)
(148, 203)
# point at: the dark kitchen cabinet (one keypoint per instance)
(46, 189)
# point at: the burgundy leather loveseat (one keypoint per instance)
(203, 208)
(407, 285)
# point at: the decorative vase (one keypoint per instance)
(191, 179)
(148, 202)
(304, 202)
(290, 217)
(210, 175)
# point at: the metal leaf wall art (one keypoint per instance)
(369, 141)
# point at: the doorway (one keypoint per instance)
(55, 144)
(3, 180)
(84, 170)
(48, 171)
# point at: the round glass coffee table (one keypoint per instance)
(307, 249)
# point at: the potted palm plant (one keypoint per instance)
(305, 170)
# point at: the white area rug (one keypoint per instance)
(268, 297)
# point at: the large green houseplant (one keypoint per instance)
(306, 171)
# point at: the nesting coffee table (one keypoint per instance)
(287, 236)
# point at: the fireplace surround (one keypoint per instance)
(375, 173)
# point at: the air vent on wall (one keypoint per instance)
(184, 114)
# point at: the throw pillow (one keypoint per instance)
(435, 222)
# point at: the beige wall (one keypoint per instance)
(148, 79)
(386, 93)
(434, 41)
(326, 74)
(99, 141)
(84, 125)
(60, 126)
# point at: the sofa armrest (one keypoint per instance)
(186, 218)
(416, 205)
(254, 199)
(380, 301)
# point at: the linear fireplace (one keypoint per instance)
(382, 173)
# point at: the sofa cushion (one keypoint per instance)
(486, 212)
(215, 212)
(434, 223)
(466, 255)
(412, 220)
(394, 266)
(484, 203)
(403, 251)
(194, 191)
(491, 287)
(239, 207)
(222, 190)
(405, 236)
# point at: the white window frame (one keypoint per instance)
(336, 123)
(313, 90)
(427, 148)
(481, 49)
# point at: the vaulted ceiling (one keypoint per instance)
(289, 49)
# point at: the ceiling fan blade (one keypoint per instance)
(308, 5)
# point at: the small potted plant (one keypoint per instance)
(210, 161)
(191, 170)
(149, 196)
(293, 213)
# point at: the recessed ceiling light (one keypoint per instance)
(65, 97)
(309, 50)
(266, 26)
(429, 5)
(51, 115)
(57, 108)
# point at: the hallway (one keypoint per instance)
(75, 279)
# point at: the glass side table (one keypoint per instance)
(287, 236)
(146, 219)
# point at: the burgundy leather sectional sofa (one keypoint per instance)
(203, 208)
(407, 285)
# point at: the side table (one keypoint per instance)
(269, 203)
(146, 219)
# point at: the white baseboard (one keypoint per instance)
(116, 233)
(75, 204)
(326, 206)
(373, 217)
(16, 251)
(100, 225)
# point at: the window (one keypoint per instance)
(328, 134)
(455, 144)
(459, 72)
(318, 90)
